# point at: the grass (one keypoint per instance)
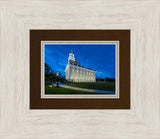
(108, 86)
(60, 90)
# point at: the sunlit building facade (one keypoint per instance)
(76, 73)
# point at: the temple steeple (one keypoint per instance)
(71, 56)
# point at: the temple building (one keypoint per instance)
(76, 73)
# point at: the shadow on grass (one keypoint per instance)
(107, 86)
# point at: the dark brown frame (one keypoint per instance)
(36, 36)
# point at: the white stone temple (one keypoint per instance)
(76, 73)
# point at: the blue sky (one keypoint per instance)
(98, 57)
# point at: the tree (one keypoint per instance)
(112, 80)
(100, 80)
(51, 77)
(48, 69)
(107, 79)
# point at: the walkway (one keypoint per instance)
(88, 90)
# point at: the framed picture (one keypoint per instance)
(43, 43)
(80, 69)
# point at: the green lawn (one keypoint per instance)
(60, 90)
(108, 86)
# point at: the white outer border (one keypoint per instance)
(79, 96)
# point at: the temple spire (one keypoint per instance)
(71, 56)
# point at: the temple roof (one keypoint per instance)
(74, 63)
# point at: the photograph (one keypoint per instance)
(79, 69)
